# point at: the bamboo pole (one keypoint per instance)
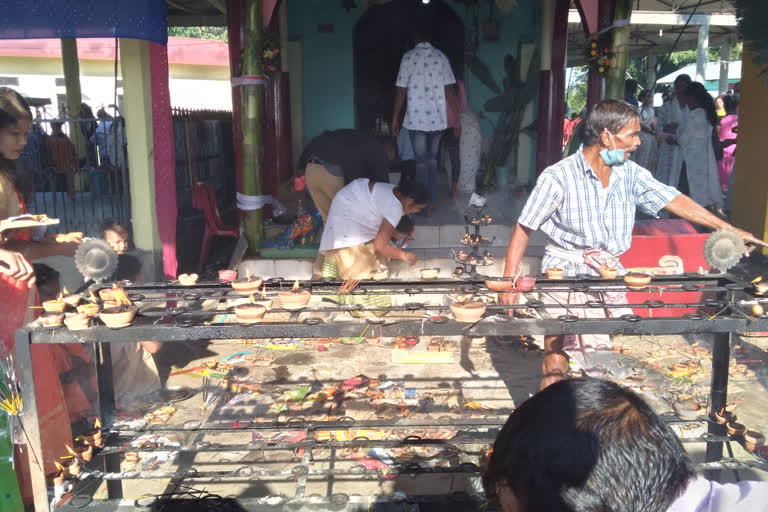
(251, 137)
(71, 66)
(614, 84)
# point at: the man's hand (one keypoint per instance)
(409, 258)
(750, 240)
(74, 237)
(16, 266)
(395, 128)
(509, 299)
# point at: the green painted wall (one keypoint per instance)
(327, 59)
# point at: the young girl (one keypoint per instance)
(18, 294)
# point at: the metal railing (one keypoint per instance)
(78, 175)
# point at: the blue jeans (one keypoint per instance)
(425, 146)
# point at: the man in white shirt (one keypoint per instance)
(424, 78)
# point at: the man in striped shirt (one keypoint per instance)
(586, 205)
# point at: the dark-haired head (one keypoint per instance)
(613, 116)
(412, 194)
(586, 445)
(405, 226)
(730, 103)
(698, 97)
(15, 121)
(682, 81)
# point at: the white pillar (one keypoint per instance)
(701, 53)
(651, 70)
(725, 50)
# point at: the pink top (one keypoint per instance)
(453, 117)
(702, 495)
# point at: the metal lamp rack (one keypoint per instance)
(171, 312)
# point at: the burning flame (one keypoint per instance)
(64, 291)
(97, 424)
(264, 293)
(92, 296)
(252, 299)
(70, 450)
(60, 298)
(757, 279)
(120, 297)
(296, 286)
(247, 275)
(59, 467)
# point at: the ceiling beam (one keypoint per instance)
(669, 18)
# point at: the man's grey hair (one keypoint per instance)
(611, 115)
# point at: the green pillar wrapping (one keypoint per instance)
(252, 94)
(614, 80)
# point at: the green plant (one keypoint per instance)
(509, 105)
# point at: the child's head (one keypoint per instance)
(116, 235)
(47, 280)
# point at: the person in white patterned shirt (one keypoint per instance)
(585, 205)
(425, 77)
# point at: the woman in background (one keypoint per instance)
(728, 125)
(647, 154)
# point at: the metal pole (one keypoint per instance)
(721, 353)
(106, 387)
(31, 419)
(725, 50)
(701, 53)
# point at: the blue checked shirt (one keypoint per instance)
(566, 206)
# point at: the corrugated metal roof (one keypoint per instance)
(711, 72)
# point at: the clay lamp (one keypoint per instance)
(607, 272)
(722, 416)
(462, 256)
(71, 299)
(108, 294)
(757, 310)
(81, 452)
(735, 429)
(266, 302)
(51, 319)
(93, 437)
(525, 283)
(56, 478)
(247, 286)
(373, 340)
(499, 284)
(380, 274)
(294, 299)
(429, 273)
(468, 312)
(753, 440)
(250, 312)
(555, 273)
(56, 305)
(637, 280)
(701, 351)
(687, 410)
(760, 287)
(122, 314)
(88, 309)
(76, 321)
(71, 465)
(187, 279)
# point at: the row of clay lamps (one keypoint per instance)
(633, 280)
(753, 440)
(70, 466)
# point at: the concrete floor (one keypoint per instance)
(483, 371)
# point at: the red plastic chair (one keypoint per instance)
(204, 199)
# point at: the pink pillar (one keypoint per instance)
(164, 157)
